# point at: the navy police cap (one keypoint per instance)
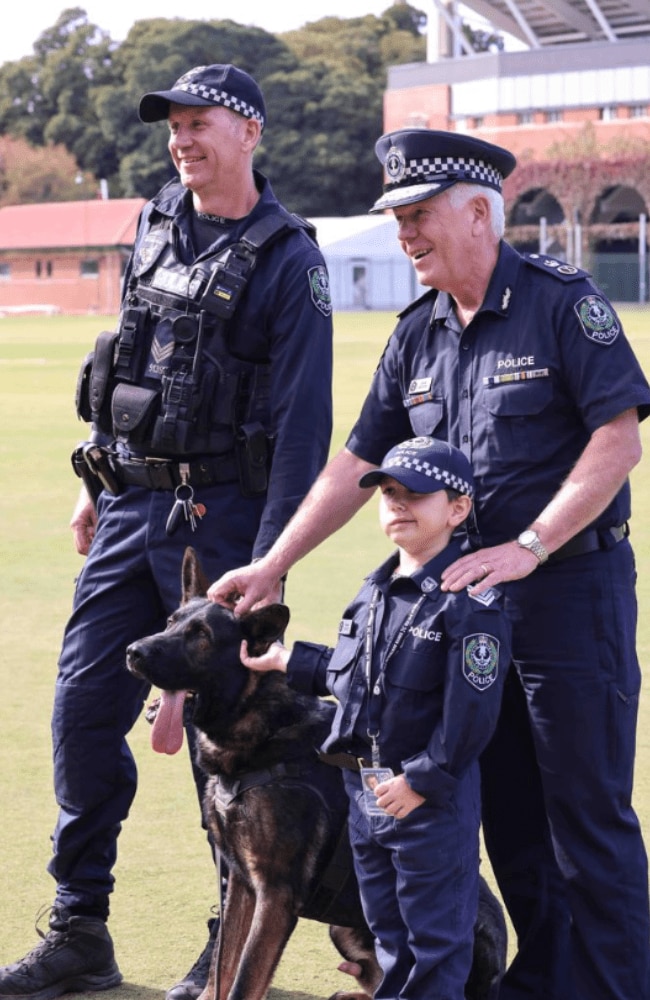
(424, 465)
(206, 87)
(420, 163)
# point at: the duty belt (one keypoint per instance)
(591, 541)
(163, 474)
(348, 761)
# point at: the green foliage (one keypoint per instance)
(323, 84)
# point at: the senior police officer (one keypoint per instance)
(211, 413)
(520, 361)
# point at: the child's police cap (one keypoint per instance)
(218, 85)
(424, 465)
(420, 163)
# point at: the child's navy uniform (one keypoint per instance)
(440, 680)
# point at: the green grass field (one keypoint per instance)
(165, 881)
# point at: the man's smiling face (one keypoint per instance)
(206, 145)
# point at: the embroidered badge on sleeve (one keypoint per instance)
(480, 660)
(597, 319)
(319, 287)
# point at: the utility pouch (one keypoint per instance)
(133, 409)
(132, 332)
(101, 378)
(82, 392)
(172, 435)
(252, 452)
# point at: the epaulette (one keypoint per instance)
(431, 295)
(302, 223)
(487, 598)
(551, 265)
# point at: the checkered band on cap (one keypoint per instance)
(218, 96)
(434, 472)
(442, 168)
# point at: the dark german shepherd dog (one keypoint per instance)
(276, 812)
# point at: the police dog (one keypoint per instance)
(276, 812)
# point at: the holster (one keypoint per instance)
(253, 454)
(92, 464)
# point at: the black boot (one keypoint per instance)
(76, 954)
(193, 984)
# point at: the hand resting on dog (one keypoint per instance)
(396, 797)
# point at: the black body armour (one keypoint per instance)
(165, 384)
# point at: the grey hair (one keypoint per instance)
(460, 194)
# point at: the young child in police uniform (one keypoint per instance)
(418, 676)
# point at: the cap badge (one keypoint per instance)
(395, 164)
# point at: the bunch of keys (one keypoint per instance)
(184, 509)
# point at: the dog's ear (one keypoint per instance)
(262, 627)
(194, 581)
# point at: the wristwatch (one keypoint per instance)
(529, 539)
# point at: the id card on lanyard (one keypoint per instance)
(375, 690)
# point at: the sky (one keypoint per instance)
(21, 30)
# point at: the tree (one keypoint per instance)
(46, 97)
(323, 85)
(47, 173)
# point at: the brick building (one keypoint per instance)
(581, 75)
(65, 256)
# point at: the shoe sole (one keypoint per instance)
(77, 984)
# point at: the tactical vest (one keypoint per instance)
(165, 383)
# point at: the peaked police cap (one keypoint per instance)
(420, 163)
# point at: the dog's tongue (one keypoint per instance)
(167, 732)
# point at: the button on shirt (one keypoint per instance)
(520, 390)
(440, 689)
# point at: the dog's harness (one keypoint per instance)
(226, 789)
(339, 871)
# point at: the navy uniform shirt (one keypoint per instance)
(441, 689)
(541, 366)
(284, 318)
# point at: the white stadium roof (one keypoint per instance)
(540, 23)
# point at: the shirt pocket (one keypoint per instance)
(416, 671)
(341, 666)
(426, 416)
(513, 410)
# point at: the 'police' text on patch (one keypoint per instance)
(480, 660)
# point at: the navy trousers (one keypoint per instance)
(560, 830)
(129, 584)
(418, 879)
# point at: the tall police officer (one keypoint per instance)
(521, 362)
(211, 412)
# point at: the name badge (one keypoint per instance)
(347, 627)
(420, 385)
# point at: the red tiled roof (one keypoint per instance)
(66, 224)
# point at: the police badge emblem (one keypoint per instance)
(395, 164)
(480, 660)
(320, 289)
(597, 319)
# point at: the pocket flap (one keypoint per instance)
(132, 406)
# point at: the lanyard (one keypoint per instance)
(374, 690)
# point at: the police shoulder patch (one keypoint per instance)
(319, 288)
(559, 268)
(597, 320)
(480, 660)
